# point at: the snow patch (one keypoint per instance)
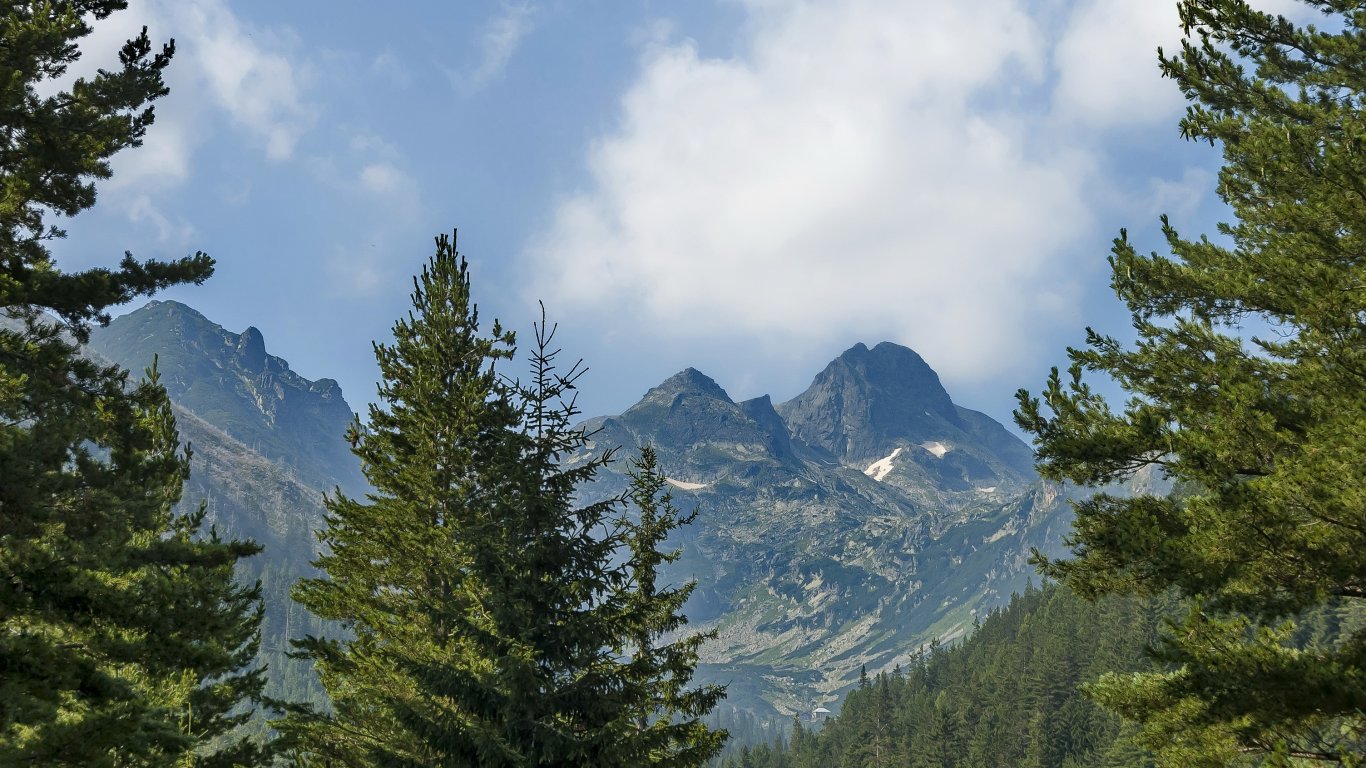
(880, 468)
(685, 485)
(988, 489)
(935, 447)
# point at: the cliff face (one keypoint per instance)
(267, 445)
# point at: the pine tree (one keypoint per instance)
(1248, 384)
(493, 623)
(123, 638)
(53, 148)
(667, 728)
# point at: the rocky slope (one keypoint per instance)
(228, 380)
(842, 528)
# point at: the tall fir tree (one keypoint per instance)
(1248, 385)
(123, 638)
(493, 622)
(668, 729)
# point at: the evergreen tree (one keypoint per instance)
(123, 638)
(978, 703)
(53, 148)
(1266, 433)
(493, 622)
(667, 729)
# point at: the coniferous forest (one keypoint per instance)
(473, 605)
(1009, 695)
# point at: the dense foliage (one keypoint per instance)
(1010, 696)
(494, 622)
(1248, 384)
(123, 637)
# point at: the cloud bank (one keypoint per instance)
(919, 171)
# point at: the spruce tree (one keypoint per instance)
(1248, 387)
(492, 620)
(660, 714)
(123, 638)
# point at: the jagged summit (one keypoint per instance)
(699, 432)
(900, 373)
(841, 528)
(688, 381)
(867, 399)
(252, 349)
(232, 382)
(174, 327)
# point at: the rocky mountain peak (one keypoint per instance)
(866, 400)
(252, 349)
(230, 380)
(834, 530)
(689, 381)
(894, 374)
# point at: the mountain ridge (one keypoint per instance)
(841, 528)
(230, 381)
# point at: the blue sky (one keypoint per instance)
(747, 187)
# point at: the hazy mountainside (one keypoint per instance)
(267, 444)
(229, 381)
(843, 528)
(848, 526)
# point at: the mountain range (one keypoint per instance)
(838, 530)
(841, 529)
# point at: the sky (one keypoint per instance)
(746, 187)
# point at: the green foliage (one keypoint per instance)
(53, 148)
(1009, 695)
(493, 621)
(1266, 435)
(123, 637)
(269, 445)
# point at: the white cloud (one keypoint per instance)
(383, 179)
(371, 143)
(219, 68)
(223, 73)
(172, 235)
(257, 87)
(1107, 60)
(839, 180)
(388, 66)
(499, 40)
(1180, 198)
(1107, 63)
(358, 271)
(164, 158)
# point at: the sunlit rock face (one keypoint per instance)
(844, 527)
